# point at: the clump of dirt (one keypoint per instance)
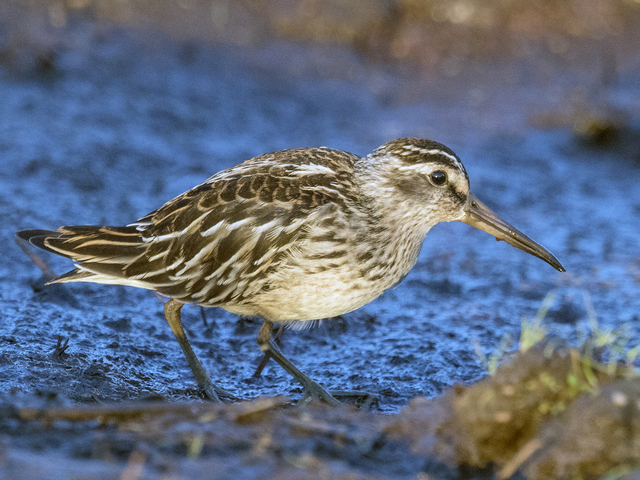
(548, 414)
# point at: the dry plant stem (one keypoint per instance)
(212, 391)
(46, 271)
(312, 389)
(529, 448)
(61, 346)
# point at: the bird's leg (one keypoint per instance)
(267, 355)
(213, 392)
(268, 346)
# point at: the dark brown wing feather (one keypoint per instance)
(214, 242)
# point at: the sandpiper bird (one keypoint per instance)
(289, 236)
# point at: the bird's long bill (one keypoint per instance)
(480, 216)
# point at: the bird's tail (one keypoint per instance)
(101, 254)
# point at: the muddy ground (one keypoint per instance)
(102, 121)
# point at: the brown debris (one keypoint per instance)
(545, 414)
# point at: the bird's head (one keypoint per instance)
(425, 181)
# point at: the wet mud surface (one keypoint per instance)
(118, 121)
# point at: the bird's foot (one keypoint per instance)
(216, 394)
(312, 390)
(363, 400)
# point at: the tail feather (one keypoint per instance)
(97, 244)
(101, 253)
(75, 275)
(37, 237)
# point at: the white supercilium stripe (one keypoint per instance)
(433, 151)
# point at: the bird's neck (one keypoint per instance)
(396, 231)
(397, 248)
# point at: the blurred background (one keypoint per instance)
(576, 48)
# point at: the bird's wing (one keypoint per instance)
(215, 243)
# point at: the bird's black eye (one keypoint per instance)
(439, 178)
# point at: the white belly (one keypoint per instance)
(311, 297)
